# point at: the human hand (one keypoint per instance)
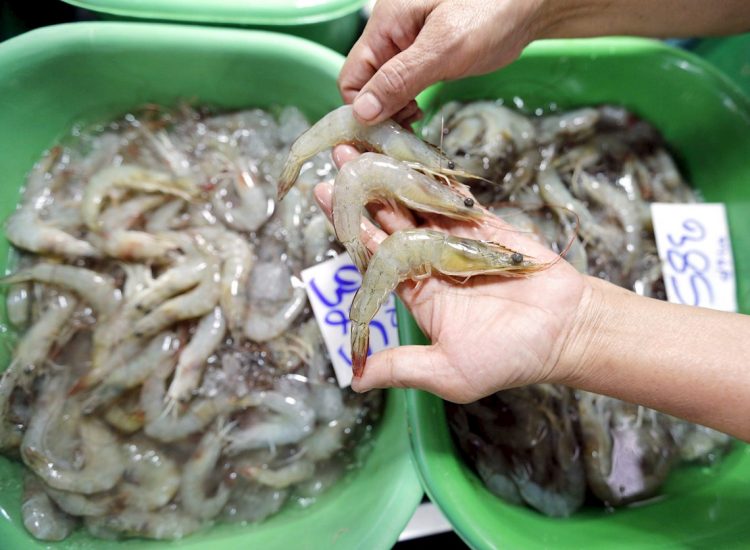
(409, 44)
(487, 334)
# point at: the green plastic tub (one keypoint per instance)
(333, 23)
(57, 76)
(731, 55)
(706, 119)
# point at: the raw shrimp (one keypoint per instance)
(208, 335)
(135, 246)
(126, 214)
(290, 420)
(238, 258)
(41, 517)
(129, 177)
(190, 305)
(126, 414)
(373, 177)
(151, 478)
(102, 463)
(282, 477)
(573, 124)
(166, 524)
(340, 126)
(162, 349)
(98, 290)
(38, 341)
(254, 206)
(415, 254)
(166, 217)
(276, 299)
(27, 231)
(18, 304)
(251, 502)
(138, 277)
(197, 473)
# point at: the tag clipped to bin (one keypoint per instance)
(330, 287)
(696, 254)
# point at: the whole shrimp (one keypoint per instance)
(377, 177)
(340, 126)
(415, 254)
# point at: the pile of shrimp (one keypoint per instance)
(167, 372)
(579, 182)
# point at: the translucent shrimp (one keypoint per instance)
(166, 524)
(129, 177)
(102, 463)
(126, 214)
(41, 517)
(374, 177)
(135, 246)
(572, 124)
(27, 231)
(190, 305)
(415, 254)
(238, 257)
(99, 291)
(291, 419)
(151, 478)
(162, 349)
(340, 126)
(166, 217)
(126, 414)
(251, 208)
(280, 478)
(18, 305)
(197, 474)
(208, 335)
(36, 344)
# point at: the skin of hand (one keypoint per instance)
(408, 45)
(488, 333)
(558, 326)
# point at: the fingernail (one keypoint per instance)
(367, 106)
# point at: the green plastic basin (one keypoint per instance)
(57, 76)
(731, 55)
(706, 119)
(333, 23)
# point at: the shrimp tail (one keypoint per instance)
(288, 176)
(359, 254)
(360, 343)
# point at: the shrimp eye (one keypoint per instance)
(451, 165)
(516, 258)
(468, 202)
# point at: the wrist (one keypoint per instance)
(575, 19)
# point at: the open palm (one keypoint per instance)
(487, 333)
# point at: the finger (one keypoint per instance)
(397, 82)
(419, 115)
(406, 113)
(419, 367)
(343, 154)
(371, 236)
(392, 217)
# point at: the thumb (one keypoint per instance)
(418, 367)
(396, 83)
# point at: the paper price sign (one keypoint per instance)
(330, 287)
(696, 254)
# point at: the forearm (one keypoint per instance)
(692, 363)
(654, 18)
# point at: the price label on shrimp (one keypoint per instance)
(331, 286)
(696, 254)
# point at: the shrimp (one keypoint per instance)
(374, 177)
(99, 291)
(197, 473)
(276, 299)
(135, 246)
(165, 524)
(161, 349)
(254, 206)
(208, 335)
(340, 126)
(573, 124)
(414, 254)
(11, 432)
(151, 478)
(251, 502)
(126, 214)
(138, 277)
(130, 177)
(291, 420)
(166, 217)
(102, 463)
(41, 338)
(280, 478)
(29, 232)
(238, 258)
(316, 237)
(194, 303)
(41, 517)
(18, 305)
(125, 414)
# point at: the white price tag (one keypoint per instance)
(696, 254)
(330, 287)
